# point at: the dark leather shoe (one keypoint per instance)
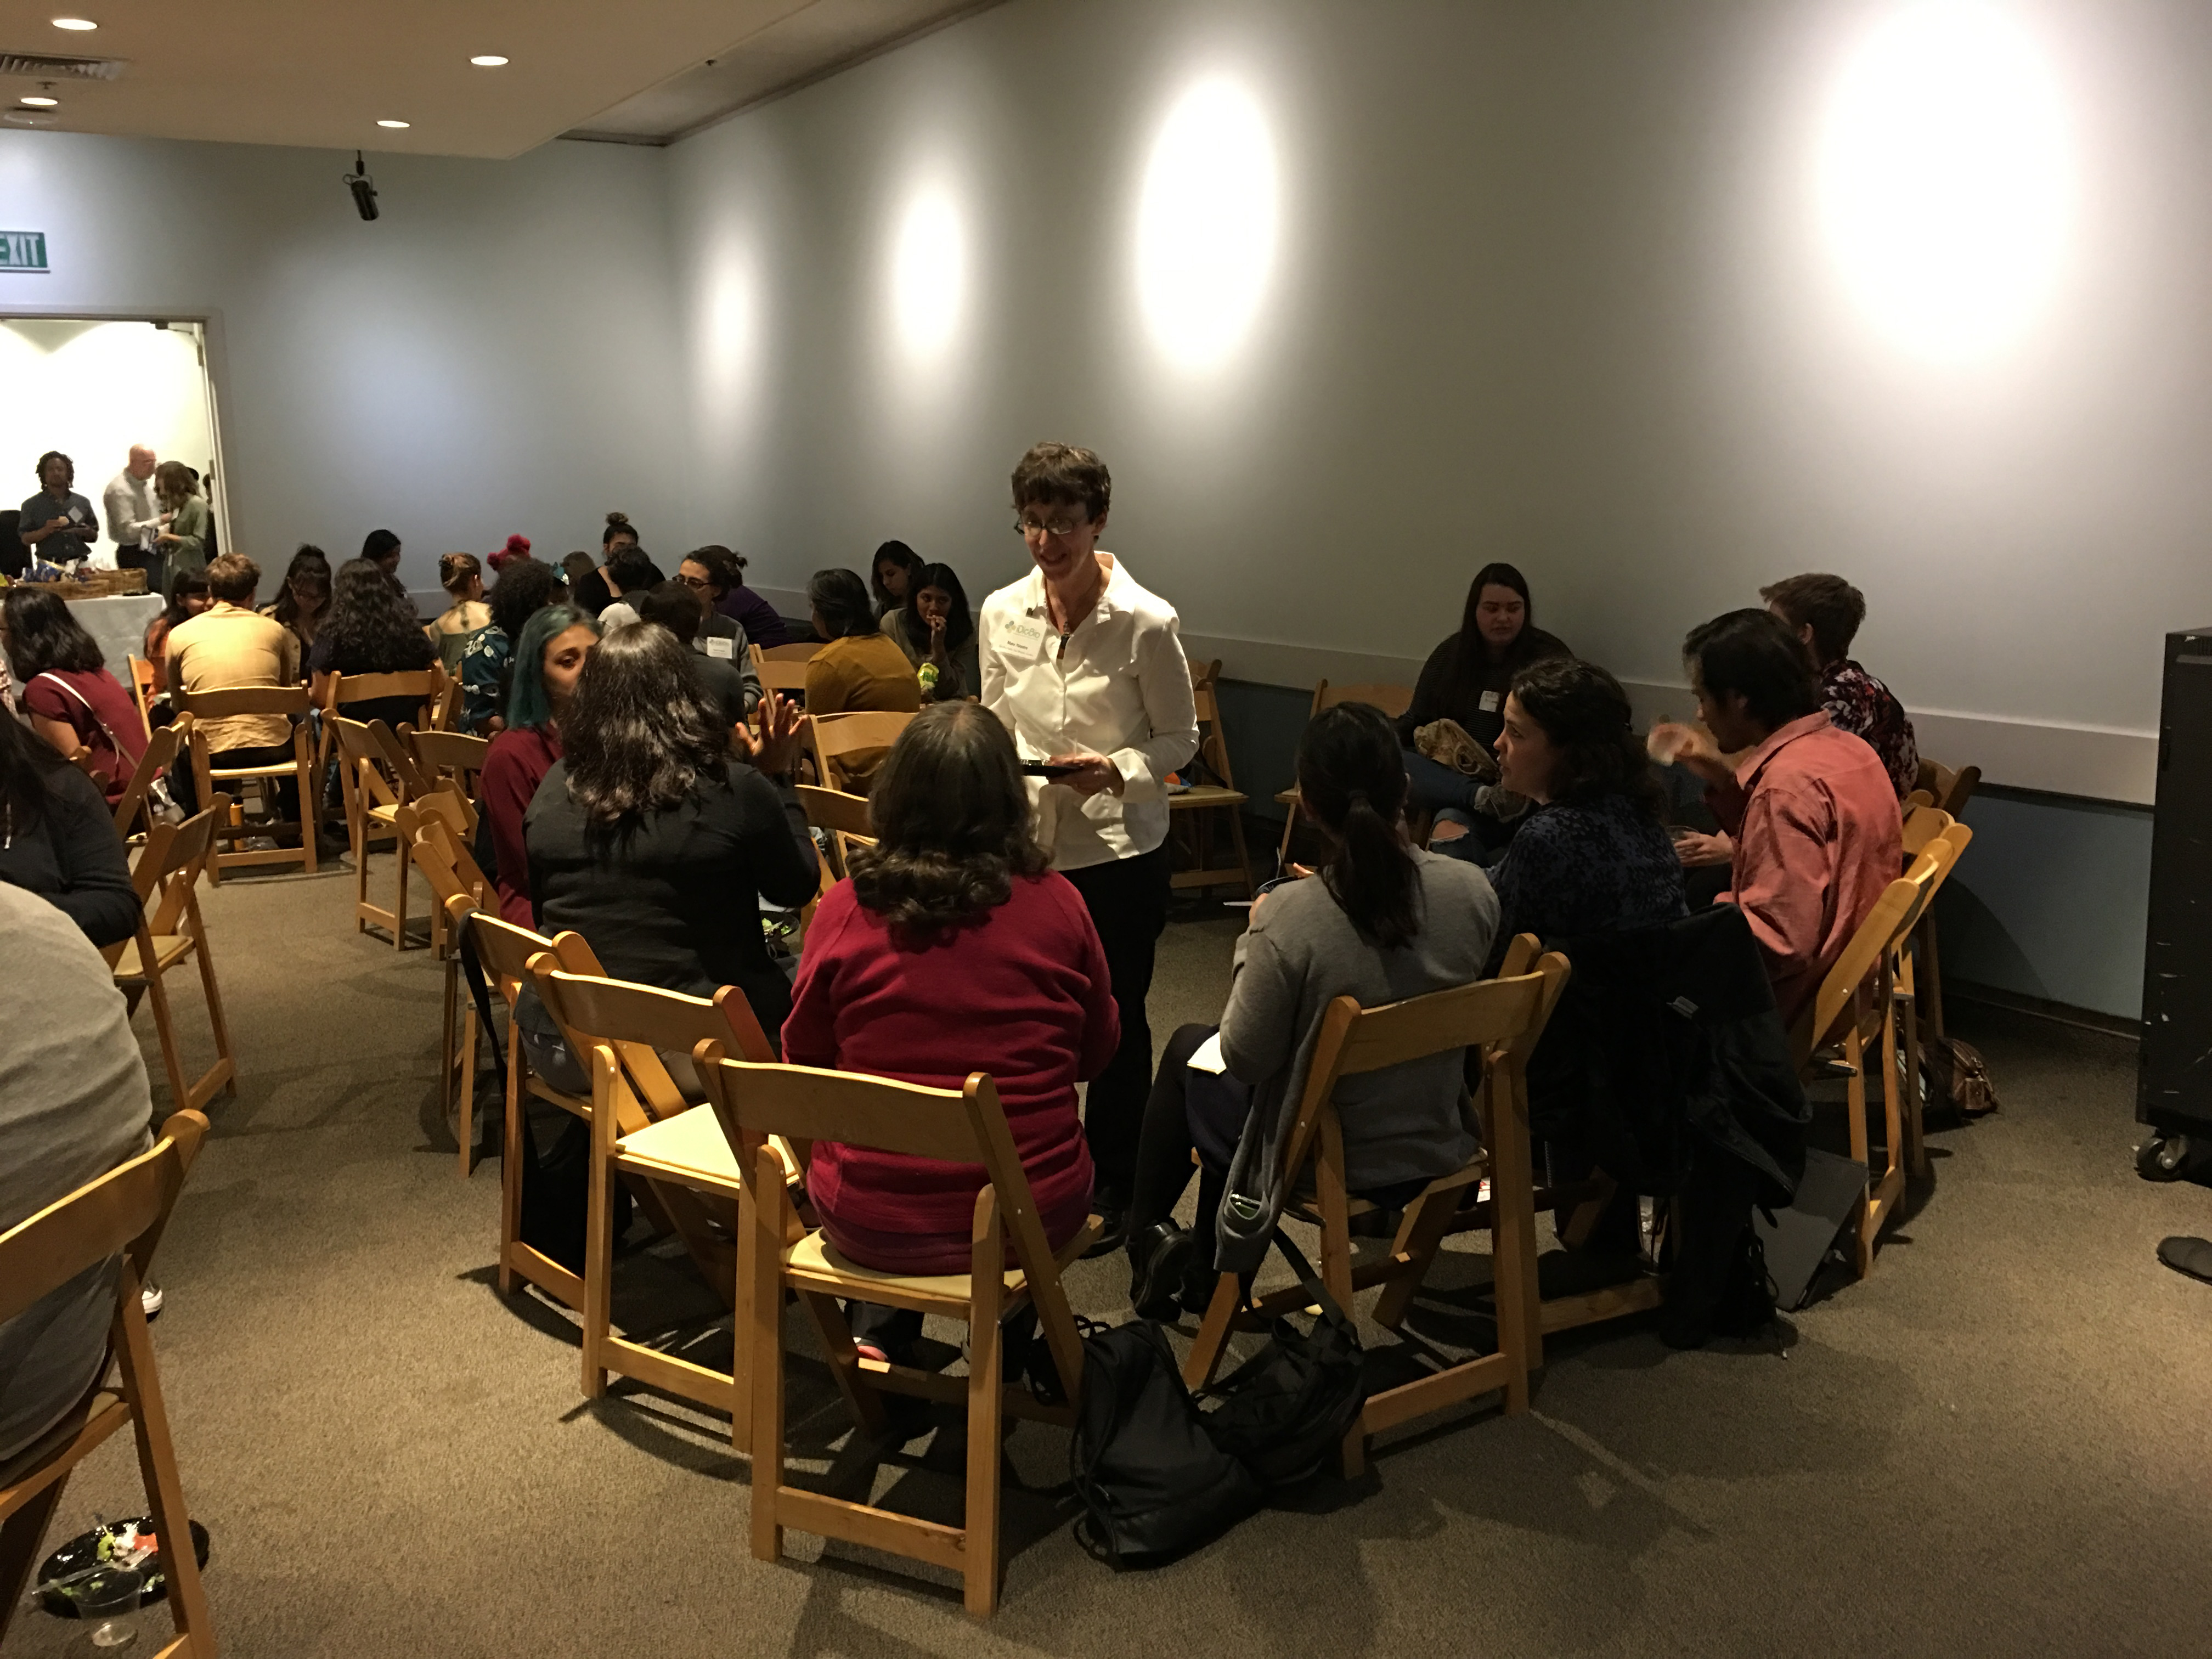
(1112, 1209)
(1159, 1261)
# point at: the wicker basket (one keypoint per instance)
(96, 585)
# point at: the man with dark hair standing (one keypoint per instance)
(1813, 818)
(1087, 670)
(1825, 613)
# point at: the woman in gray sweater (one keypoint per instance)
(1381, 922)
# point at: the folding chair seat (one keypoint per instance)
(1204, 799)
(288, 700)
(1392, 700)
(755, 1102)
(168, 874)
(645, 1130)
(122, 1213)
(1502, 1019)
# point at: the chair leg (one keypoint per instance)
(399, 899)
(861, 1397)
(1915, 1132)
(357, 826)
(1244, 856)
(21, 1535)
(986, 1401)
(1290, 830)
(1931, 973)
(1421, 1235)
(157, 1465)
(598, 1255)
(1861, 1150)
(510, 1150)
(458, 1108)
(764, 1312)
(217, 1022)
(165, 1028)
(1205, 1357)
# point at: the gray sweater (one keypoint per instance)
(1300, 953)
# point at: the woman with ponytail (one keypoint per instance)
(1379, 922)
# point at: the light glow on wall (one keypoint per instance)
(1207, 222)
(929, 273)
(1946, 177)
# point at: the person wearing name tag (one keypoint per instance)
(729, 680)
(1087, 669)
(58, 523)
(1464, 680)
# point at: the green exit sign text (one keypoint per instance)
(22, 250)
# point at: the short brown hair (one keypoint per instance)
(1061, 474)
(1831, 605)
(951, 818)
(233, 577)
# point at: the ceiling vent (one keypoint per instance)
(38, 67)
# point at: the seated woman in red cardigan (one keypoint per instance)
(953, 949)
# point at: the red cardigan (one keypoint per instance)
(517, 763)
(1021, 994)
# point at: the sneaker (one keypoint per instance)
(1111, 1207)
(149, 1299)
(1159, 1266)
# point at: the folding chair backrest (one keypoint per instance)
(161, 750)
(1392, 700)
(1921, 825)
(836, 736)
(425, 686)
(1948, 789)
(804, 651)
(145, 686)
(637, 1024)
(1832, 1008)
(125, 1210)
(222, 702)
(1212, 750)
(782, 667)
(504, 948)
(439, 846)
(833, 810)
(452, 756)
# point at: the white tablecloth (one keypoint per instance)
(119, 622)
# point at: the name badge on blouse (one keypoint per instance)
(1022, 637)
(719, 648)
(1488, 704)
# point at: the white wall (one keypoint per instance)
(493, 355)
(1551, 282)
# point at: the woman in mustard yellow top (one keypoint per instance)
(860, 668)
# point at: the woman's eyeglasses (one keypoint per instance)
(696, 584)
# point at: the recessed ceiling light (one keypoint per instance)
(79, 23)
(488, 61)
(393, 123)
(41, 103)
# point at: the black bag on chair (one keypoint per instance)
(1153, 1483)
(1285, 1412)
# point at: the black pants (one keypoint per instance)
(1128, 903)
(1164, 1152)
(184, 786)
(138, 558)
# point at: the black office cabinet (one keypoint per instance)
(2173, 1084)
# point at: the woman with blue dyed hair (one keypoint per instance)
(549, 658)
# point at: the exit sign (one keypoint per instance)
(22, 250)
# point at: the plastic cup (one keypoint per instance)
(106, 1600)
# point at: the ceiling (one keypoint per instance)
(323, 73)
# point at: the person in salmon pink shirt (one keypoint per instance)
(548, 660)
(1810, 808)
(953, 949)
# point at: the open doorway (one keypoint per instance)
(92, 387)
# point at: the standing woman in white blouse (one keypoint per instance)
(1086, 669)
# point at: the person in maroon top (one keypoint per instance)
(1825, 612)
(549, 657)
(1813, 818)
(954, 948)
(66, 690)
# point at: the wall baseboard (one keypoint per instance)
(2091, 762)
(2058, 1013)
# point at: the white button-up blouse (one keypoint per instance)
(1119, 687)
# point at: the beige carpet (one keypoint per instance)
(1998, 1444)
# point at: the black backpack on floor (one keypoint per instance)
(1284, 1413)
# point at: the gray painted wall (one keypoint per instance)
(493, 355)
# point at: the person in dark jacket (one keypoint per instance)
(1466, 679)
(57, 838)
(648, 839)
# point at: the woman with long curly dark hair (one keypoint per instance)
(372, 628)
(67, 693)
(649, 839)
(956, 906)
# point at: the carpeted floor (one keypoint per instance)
(1998, 1444)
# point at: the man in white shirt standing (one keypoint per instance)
(1087, 669)
(134, 517)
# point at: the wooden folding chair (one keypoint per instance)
(1204, 799)
(1392, 700)
(427, 686)
(445, 715)
(838, 737)
(167, 873)
(844, 819)
(145, 687)
(783, 667)
(448, 759)
(1930, 869)
(122, 1213)
(1853, 1013)
(644, 1129)
(443, 858)
(965, 1126)
(288, 700)
(1950, 791)
(375, 775)
(162, 747)
(1501, 1018)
